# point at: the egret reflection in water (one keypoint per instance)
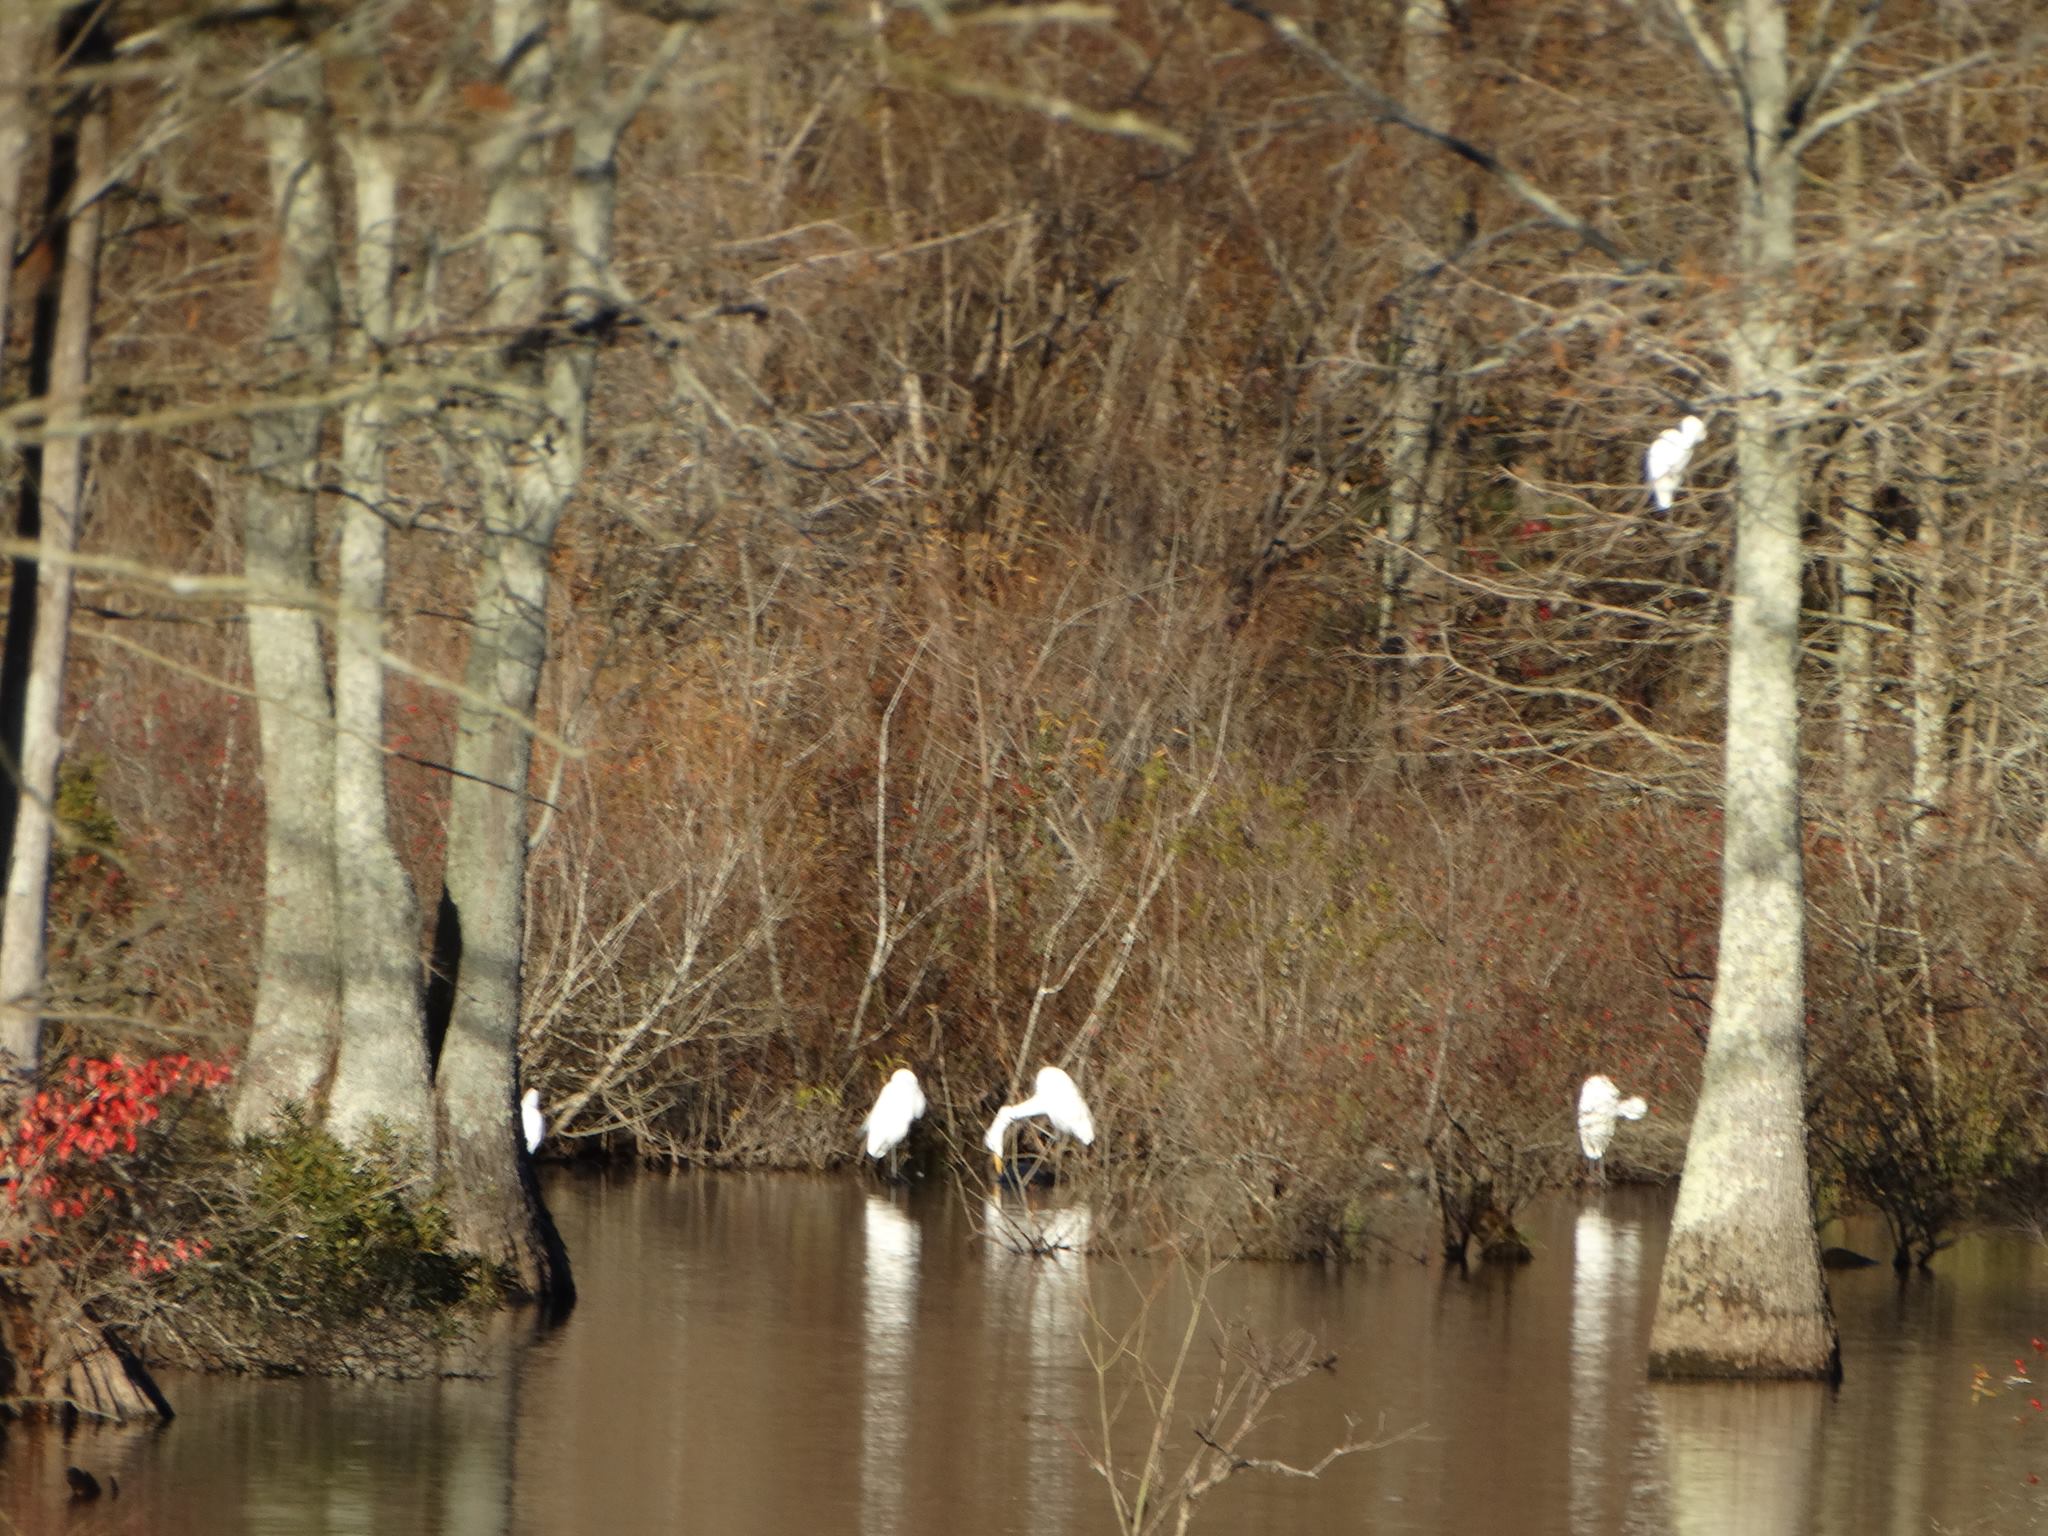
(889, 1297)
(1037, 1276)
(1606, 1319)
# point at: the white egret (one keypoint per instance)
(531, 1121)
(1665, 460)
(1053, 1096)
(1600, 1105)
(900, 1102)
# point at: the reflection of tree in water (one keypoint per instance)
(1740, 1456)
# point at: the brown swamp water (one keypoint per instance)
(769, 1355)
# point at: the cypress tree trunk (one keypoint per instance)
(298, 992)
(1741, 1293)
(380, 1072)
(528, 471)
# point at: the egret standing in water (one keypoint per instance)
(531, 1121)
(900, 1102)
(1600, 1105)
(1665, 460)
(1056, 1098)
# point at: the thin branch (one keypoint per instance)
(883, 943)
(1838, 59)
(634, 97)
(1123, 124)
(226, 685)
(1709, 51)
(1237, 1463)
(1390, 110)
(1849, 111)
(311, 598)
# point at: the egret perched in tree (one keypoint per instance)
(900, 1102)
(1600, 1105)
(1665, 460)
(531, 1121)
(1053, 1096)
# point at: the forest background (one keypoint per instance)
(1097, 543)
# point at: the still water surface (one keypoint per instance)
(793, 1355)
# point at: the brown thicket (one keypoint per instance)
(971, 629)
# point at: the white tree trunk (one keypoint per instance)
(20, 54)
(380, 1071)
(1741, 1293)
(1855, 648)
(54, 1358)
(24, 922)
(1422, 385)
(1933, 680)
(21, 37)
(528, 474)
(298, 994)
(1856, 575)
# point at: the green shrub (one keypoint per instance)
(322, 1259)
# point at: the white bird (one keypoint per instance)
(1665, 460)
(531, 1120)
(1053, 1096)
(900, 1102)
(1600, 1105)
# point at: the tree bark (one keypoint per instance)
(60, 476)
(1741, 1293)
(56, 1359)
(59, 1363)
(1422, 383)
(528, 473)
(20, 53)
(380, 1073)
(1855, 648)
(298, 994)
(21, 39)
(1856, 601)
(61, 494)
(1928, 653)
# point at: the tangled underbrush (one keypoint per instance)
(286, 1253)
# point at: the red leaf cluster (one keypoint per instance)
(91, 1113)
(95, 1111)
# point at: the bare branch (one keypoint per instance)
(1123, 124)
(1830, 71)
(1709, 51)
(182, 584)
(1390, 110)
(1851, 110)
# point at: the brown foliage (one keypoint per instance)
(968, 630)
